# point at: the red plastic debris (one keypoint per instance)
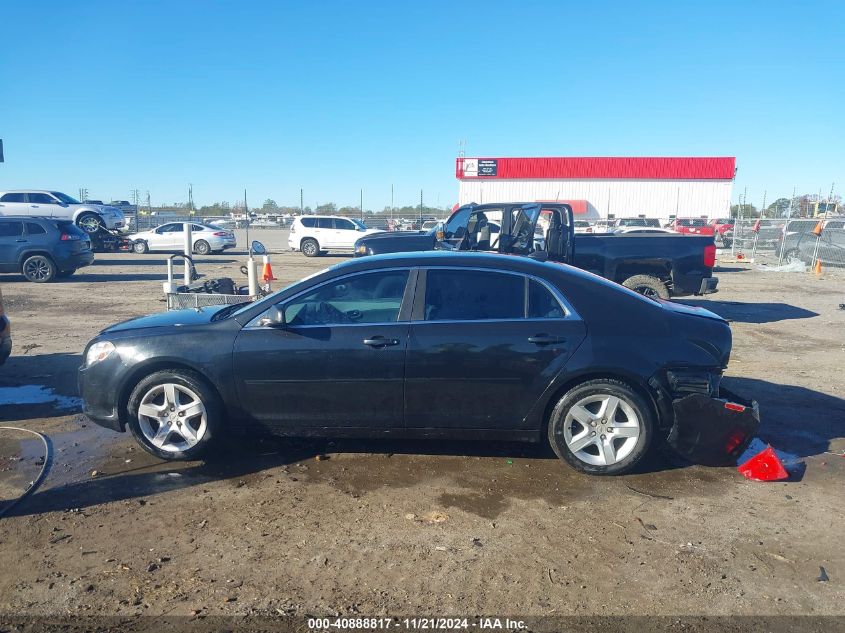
(764, 466)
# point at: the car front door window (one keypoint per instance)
(364, 298)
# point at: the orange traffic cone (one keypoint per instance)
(740, 256)
(764, 466)
(818, 267)
(267, 273)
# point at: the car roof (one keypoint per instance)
(37, 218)
(2, 191)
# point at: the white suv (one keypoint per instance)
(316, 234)
(54, 204)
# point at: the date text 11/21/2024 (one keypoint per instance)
(416, 624)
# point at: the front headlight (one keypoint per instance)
(98, 351)
(361, 249)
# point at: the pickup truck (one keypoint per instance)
(656, 265)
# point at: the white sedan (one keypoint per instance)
(171, 237)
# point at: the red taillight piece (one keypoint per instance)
(67, 236)
(710, 255)
(733, 406)
(220, 234)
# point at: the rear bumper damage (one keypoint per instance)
(713, 431)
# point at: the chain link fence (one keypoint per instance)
(787, 244)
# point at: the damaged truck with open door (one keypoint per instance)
(659, 265)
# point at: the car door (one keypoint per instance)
(484, 345)
(323, 231)
(168, 237)
(13, 204)
(42, 205)
(345, 234)
(12, 240)
(339, 360)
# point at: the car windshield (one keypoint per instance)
(64, 197)
(229, 311)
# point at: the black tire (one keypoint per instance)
(90, 222)
(599, 388)
(39, 269)
(794, 253)
(201, 247)
(310, 247)
(140, 247)
(647, 285)
(64, 274)
(208, 398)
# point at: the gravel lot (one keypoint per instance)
(402, 528)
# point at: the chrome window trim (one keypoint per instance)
(252, 325)
(569, 313)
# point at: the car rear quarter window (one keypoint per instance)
(541, 303)
(35, 229)
(309, 223)
(473, 295)
(13, 197)
(11, 229)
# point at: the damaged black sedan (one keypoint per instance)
(429, 345)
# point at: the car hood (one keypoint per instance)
(167, 319)
(394, 234)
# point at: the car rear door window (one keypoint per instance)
(473, 295)
(35, 229)
(324, 223)
(11, 229)
(365, 298)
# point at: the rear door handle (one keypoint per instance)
(20, 240)
(381, 341)
(545, 339)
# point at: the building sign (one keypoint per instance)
(488, 167)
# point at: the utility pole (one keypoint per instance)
(149, 206)
(248, 221)
(421, 205)
(190, 199)
(83, 194)
(391, 201)
(763, 208)
(301, 205)
(135, 198)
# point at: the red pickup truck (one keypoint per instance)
(692, 226)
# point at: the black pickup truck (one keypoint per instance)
(659, 265)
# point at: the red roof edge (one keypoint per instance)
(586, 168)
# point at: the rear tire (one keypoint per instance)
(310, 247)
(202, 247)
(154, 418)
(647, 285)
(39, 269)
(587, 435)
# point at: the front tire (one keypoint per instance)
(202, 247)
(89, 222)
(309, 247)
(647, 285)
(601, 427)
(141, 247)
(174, 414)
(39, 269)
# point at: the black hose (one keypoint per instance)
(45, 467)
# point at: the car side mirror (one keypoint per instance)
(275, 317)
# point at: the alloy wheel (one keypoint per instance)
(172, 417)
(37, 269)
(601, 430)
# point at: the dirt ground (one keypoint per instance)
(402, 528)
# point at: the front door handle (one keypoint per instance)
(381, 341)
(20, 240)
(545, 339)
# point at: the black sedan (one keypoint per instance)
(429, 345)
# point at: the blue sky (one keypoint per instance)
(334, 97)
